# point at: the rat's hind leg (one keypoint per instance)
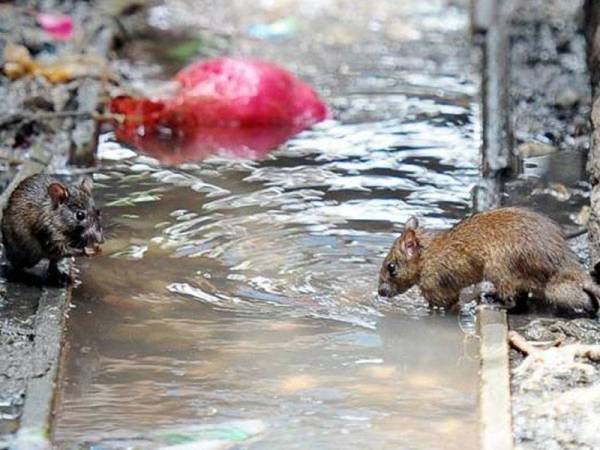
(505, 294)
(572, 297)
(501, 283)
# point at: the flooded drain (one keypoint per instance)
(235, 301)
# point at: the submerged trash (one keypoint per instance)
(59, 26)
(210, 436)
(221, 105)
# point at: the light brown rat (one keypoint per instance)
(45, 218)
(522, 253)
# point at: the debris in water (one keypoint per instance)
(224, 105)
(248, 92)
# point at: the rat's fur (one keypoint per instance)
(41, 221)
(523, 253)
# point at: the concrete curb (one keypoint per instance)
(494, 390)
(49, 325)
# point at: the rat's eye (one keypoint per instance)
(80, 215)
(392, 268)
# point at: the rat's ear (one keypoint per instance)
(58, 193)
(87, 184)
(411, 224)
(410, 244)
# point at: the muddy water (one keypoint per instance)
(240, 295)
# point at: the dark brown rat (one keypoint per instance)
(45, 218)
(522, 253)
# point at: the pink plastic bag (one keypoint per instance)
(221, 103)
(58, 26)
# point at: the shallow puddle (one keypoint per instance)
(234, 304)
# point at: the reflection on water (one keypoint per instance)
(241, 142)
(236, 290)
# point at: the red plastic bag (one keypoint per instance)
(222, 104)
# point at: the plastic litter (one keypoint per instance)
(59, 26)
(229, 105)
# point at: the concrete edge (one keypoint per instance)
(34, 428)
(495, 418)
(498, 162)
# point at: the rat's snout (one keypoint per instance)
(385, 290)
(94, 235)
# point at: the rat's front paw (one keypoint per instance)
(59, 277)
